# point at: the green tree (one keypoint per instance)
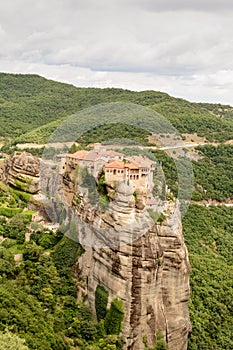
(101, 302)
(10, 341)
(114, 317)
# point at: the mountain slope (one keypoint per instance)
(30, 101)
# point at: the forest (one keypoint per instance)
(38, 294)
(31, 107)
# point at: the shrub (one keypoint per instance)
(10, 212)
(66, 253)
(101, 302)
(32, 252)
(160, 343)
(114, 317)
(10, 341)
(25, 197)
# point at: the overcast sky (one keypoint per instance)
(183, 47)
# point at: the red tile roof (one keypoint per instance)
(142, 161)
(116, 164)
(92, 156)
(79, 154)
(132, 166)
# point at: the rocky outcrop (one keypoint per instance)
(22, 171)
(142, 262)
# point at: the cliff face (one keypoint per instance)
(22, 171)
(150, 274)
(143, 263)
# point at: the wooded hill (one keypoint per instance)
(28, 102)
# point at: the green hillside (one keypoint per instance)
(28, 102)
(38, 296)
(213, 178)
(208, 235)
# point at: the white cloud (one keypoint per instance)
(162, 45)
(191, 5)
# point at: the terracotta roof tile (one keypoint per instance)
(79, 154)
(116, 164)
(132, 166)
(142, 161)
(92, 155)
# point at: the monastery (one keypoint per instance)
(135, 170)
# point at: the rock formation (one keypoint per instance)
(142, 262)
(146, 265)
(22, 171)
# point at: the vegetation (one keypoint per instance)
(36, 106)
(213, 178)
(66, 253)
(208, 235)
(38, 293)
(126, 133)
(101, 302)
(10, 341)
(213, 174)
(114, 317)
(38, 297)
(160, 343)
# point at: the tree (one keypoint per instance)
(114, 317)
(10, 341)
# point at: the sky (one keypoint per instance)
(182, 47)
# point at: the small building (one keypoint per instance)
(115, 171)
(76, 158)
(94, 160)
(137, 174)
(146, 168)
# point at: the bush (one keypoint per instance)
(101, 302)
(16, 228)
(32, 252)
(10, 212)
(46, 239)
(66, 253)
(114, 317)
(10, 341)
(160, 343)
(25, 197)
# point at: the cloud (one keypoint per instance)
(184, 5)
(108, 42)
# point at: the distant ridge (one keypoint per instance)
(31, 105)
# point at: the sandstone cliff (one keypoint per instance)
(142, 262)
(22, 171)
